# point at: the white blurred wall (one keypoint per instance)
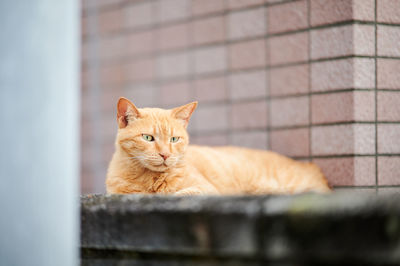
(39, 132)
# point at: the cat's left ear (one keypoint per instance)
(184, 112)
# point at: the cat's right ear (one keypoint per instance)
(126, 111)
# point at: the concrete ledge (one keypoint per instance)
(339, 229)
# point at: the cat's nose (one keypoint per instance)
(164, 156)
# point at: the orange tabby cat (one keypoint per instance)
(153, 156)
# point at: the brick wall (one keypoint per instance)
(317, 80)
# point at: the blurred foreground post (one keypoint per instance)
(39, 121)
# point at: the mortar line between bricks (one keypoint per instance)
(227, 71)
(309, 84)
(279, 97)
(122, 5)
(191, 62)
(154, 82)
(274, 97)
(190, 17)
(228, 89)
(123, 60)
(301, 126)
(115, 6)
(376, 98)
(268, 83)
(211, 132)
(284, 97)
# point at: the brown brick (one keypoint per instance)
(343, 139)
(202, 7)
(389, 138)
(173, 37)
(288, 48)
(249, 115)
(364, 10)
(353, 73)
(142, 95)
(250, 139)
(291, 142)
(211, 118)
(85, 79)
(210, 89)
(247, 23)
(388, 40)
(173, 65)
(343, 107)
(247, 54)
(290, 111)
(247, 85)
(209, 30)
(274, 1)
(85, 26)
(353, 171)
(210, 140)
(100, 3)
(108, 128)
(173, 93)
(139, 15)
(289, 80)
(388, 171)
(389, 106)
(331, 11)
(342, 41)
(287, 17)
(86, 181)
(85, 53)
(111, 75)
(170, 10)
(388, 11)
(86, 106)
(388, 74)
(108, 102)
(108, 148)
(237, 4)
(109, 47)
(139, 43)
(210, 59)
(110, 21)
(139, 70)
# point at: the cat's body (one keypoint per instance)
(157, 165)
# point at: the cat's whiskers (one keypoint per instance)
(133, 157)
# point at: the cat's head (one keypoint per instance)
(156, 138)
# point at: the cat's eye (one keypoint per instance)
(174, 139)
(148, 137)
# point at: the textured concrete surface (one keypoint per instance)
(309, 229)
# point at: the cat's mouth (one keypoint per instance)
(158, 167)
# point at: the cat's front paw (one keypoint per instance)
(188, 192)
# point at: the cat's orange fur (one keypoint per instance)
(138, 165)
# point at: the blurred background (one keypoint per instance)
(317, 80)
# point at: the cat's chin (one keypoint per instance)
(159, 168)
